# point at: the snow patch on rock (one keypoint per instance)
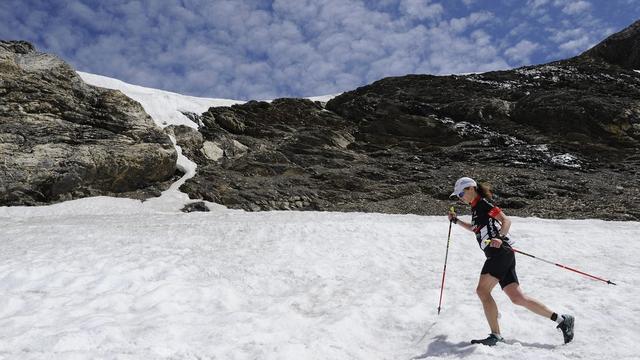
(566, 160)
(496, 84)
(165, 107)
(465, 129)
(561, 160)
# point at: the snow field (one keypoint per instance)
(280, 285)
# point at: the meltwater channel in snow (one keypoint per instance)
(108, 278)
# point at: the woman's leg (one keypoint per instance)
(519, 298)
(486, 283)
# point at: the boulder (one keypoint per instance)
(62, 139)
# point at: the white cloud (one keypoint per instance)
(260, 49)
(561, 36)
(576, 7)
(238, 49)
(572, 39)
(537, 3)
(576, 45)
(572, 26)
(461, 24)
(521, 52)
(536, 8)
(421, 9)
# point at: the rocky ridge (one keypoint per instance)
(556, 140)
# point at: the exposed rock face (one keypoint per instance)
(186, 137)
(291, 147)
(61, 138)
(556, 140)
(621, 49)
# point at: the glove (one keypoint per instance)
(452, 215)
(453, 218)
(506, 241)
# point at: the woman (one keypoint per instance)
(491, 227)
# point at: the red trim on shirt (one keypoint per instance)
(474, 202)
(494, 212)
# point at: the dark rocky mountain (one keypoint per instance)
(556, 140)
(62, 139)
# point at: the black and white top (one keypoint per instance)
(485, 225)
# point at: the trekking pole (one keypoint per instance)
(559, 265)
(446, 255)
(564, 267)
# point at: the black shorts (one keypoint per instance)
(502, 267)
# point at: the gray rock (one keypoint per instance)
(62, 139)
(195, 206)
(186, 137)
(212, 151)
(227, 120)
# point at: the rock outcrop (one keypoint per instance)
(556, 140)
(622, 48)
(62, 139)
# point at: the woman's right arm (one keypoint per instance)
(455, 220)
(465, 225)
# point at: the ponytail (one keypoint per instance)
(484, 189)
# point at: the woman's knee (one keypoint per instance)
(485, 286)
(516, 295)
(518, 299)
(483, 293)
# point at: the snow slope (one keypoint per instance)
(110, 278)
(164, 107)
(117, 284)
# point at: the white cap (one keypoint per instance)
(461, 184)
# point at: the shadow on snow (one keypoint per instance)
(440, 347)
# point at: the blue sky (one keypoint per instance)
(255, 49)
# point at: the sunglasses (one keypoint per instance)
(461, 193)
